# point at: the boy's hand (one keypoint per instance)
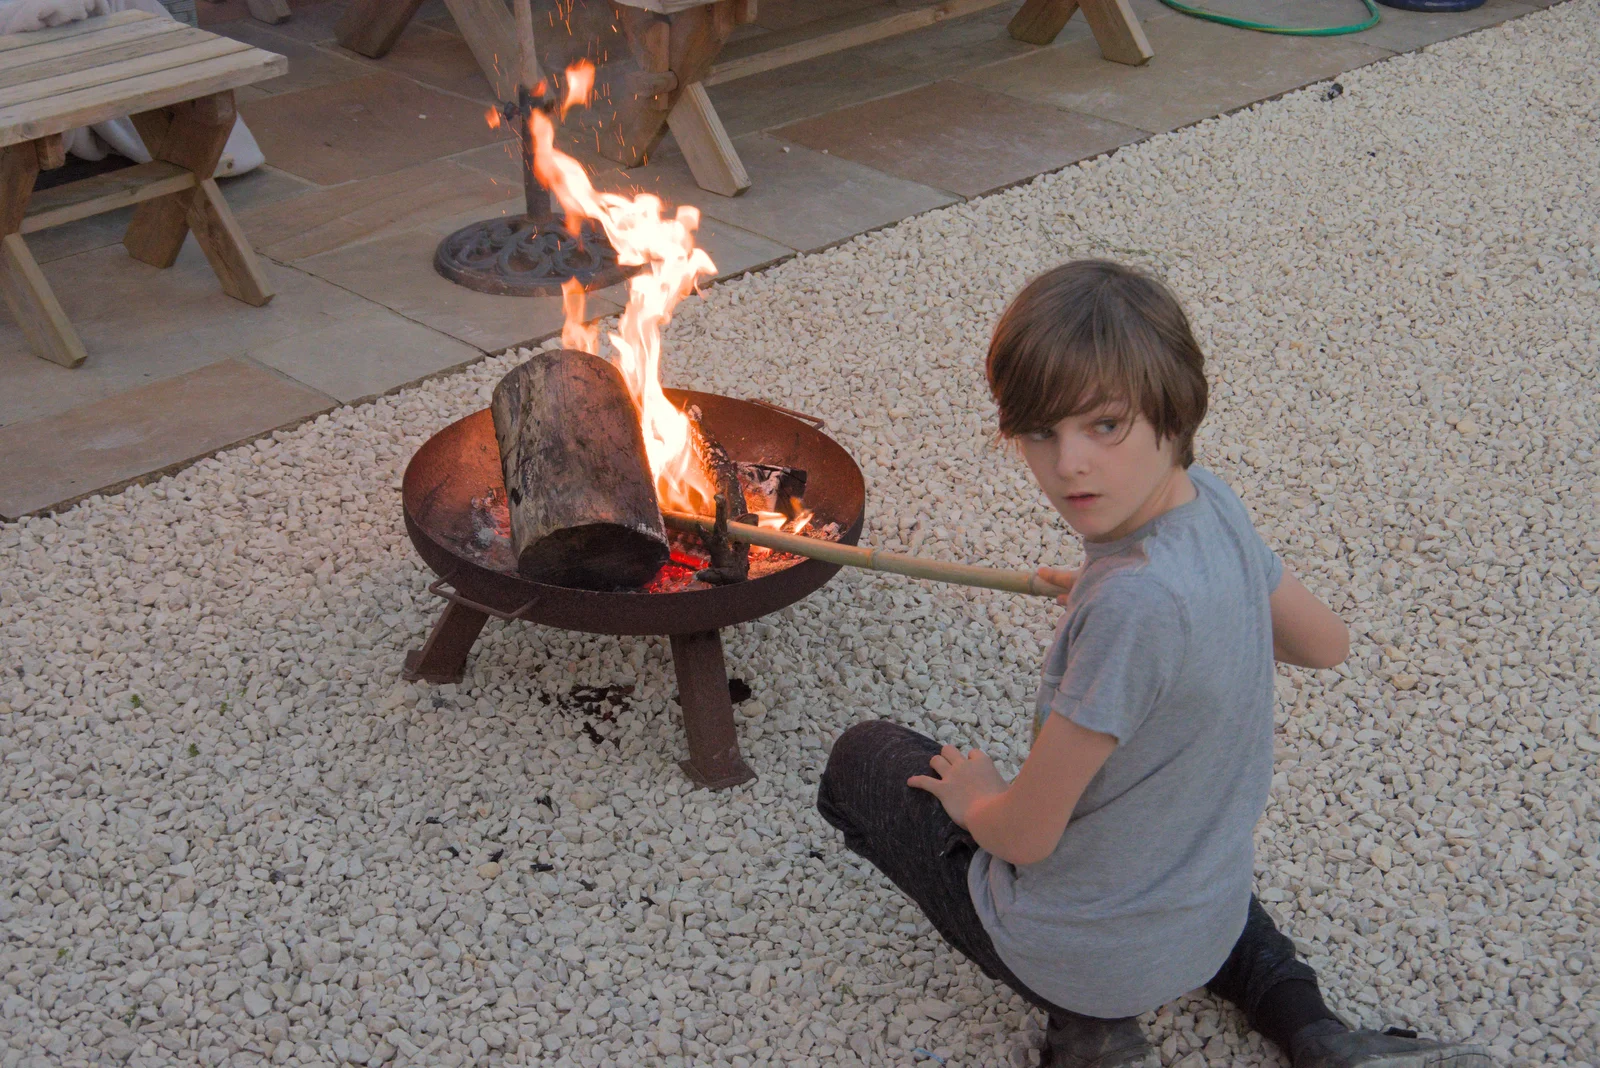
(1062, 578)
(963, 780)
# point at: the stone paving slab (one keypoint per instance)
(958, 137)
(1198, 71)
(143, 430)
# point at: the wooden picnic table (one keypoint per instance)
(176, 82)
(672, 47)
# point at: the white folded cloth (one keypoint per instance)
(241, 153)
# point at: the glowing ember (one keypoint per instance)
(665, 247)
(492, 117)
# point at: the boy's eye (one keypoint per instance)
(1040, 435)
(1107, 426)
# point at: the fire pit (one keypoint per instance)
(458, 469)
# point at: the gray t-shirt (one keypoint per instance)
(1167, 645)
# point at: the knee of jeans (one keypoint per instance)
(849, 760)
(854, 749)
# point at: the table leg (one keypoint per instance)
(443, 657)
(22, 284)
(1116, 29)
(714, 758)
(192, 135)
(707, 149)
(492, 36)
(371, 27)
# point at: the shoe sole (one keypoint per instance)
(1469, 1057)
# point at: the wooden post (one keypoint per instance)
(492, 36)
(706, 146)
(192, 136)
(1116, 29)
(371, 27)
(22, 284)
(1040, 21)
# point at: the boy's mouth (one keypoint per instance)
(1081, 499)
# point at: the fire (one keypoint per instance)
(777, 521)
(492, 117)
(580, 83)
(666, 248)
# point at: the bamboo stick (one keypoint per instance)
(832, 552)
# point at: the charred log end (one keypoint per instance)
(597, 556)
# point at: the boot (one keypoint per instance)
(1329, 1044)
(1085, 1042)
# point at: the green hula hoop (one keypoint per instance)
(1288, 31)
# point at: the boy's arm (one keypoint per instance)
(1021, 822)
(1305, 632)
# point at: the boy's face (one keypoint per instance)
(1106, 472)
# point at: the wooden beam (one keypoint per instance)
(35, 307)
(194, 141)
(371, 27)
(1039, 21)
(226, 248)
(52, 151)
(104, 192)
(1117, 31)
(492, 35)
(705, 144)
(866, 33)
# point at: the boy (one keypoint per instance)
(1113, 873)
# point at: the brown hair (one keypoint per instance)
(1093, 332)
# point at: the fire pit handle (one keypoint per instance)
(813, 420)
(454, 597)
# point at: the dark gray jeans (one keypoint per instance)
(906, 834)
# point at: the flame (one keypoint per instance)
(777, 521)
(492, 117)
(580, 83)
(576, 332)
(665, 247)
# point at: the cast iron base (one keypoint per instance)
(518, 256)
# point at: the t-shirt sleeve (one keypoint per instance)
(1270, 562)
(1126, 647)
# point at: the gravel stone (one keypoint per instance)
(233, 835)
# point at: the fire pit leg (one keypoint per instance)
(443, 657)
(714, 758)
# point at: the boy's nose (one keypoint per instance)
(1071, 462)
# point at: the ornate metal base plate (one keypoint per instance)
(520, 257)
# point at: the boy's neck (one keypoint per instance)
(1174, 491)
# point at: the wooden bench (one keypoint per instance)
(177, 83)
(674, 45)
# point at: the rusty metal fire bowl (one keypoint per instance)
(461, 465)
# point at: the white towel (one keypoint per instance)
(241, 153)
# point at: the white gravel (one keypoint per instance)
(230, 834)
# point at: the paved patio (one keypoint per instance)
(371, 162)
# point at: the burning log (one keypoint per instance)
(582, 496)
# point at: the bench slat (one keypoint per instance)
(34, 38)
(168, 63)
(101, 53)
(39, 118)
(104, 192)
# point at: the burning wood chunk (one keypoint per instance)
(582, 498)
(771, 488)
